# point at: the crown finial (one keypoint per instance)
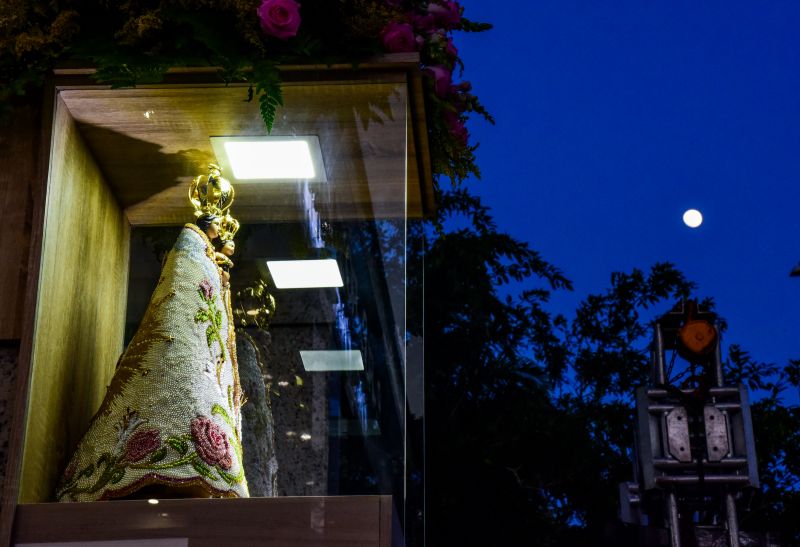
(228, 227)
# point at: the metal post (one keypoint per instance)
(674, 524)
(660, 372)
(718, 359)
(733, 522)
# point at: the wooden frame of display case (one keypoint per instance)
(354, 521)
(64, 162)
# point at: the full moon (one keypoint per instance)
(692, 218)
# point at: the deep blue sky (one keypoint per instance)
(614, 118)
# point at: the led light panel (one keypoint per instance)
(330, 360)
(270, 158)
(305, 274)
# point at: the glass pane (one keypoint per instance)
(326, 380)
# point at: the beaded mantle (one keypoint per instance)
(171, 415)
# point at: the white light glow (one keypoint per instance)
(152, 501)
(305, 274)
(270, 160)
(305, 437)
(328, 360)
(692, 218)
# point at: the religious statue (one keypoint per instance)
(169, 425)
(229, 227)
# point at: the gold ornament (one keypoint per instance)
(228, 227)
(211, 194)
(254, 306)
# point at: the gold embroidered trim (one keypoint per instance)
(155, 478)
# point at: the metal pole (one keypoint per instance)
(660, 373)
(718, 359)
(674, 524)
(733, 522)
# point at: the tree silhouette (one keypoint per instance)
(530, 414)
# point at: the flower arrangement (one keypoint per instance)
(135, 42)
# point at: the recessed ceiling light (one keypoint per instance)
(329, 360)
(270, 158)
(305, 274)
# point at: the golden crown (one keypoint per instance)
(228, 227)
(212, 194)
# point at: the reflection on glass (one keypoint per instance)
(305, 274)
(330, 360)
(331, 363)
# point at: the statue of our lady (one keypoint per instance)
(169, 425)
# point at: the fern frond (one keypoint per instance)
(267, 80)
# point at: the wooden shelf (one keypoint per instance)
(352, 521)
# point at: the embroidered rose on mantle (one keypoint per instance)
(211, 442)
(206, 289)
(142, 443)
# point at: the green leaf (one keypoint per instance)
(180, 446)
(267, 80)
(88, 471)
(203, 469)
(117, 475)
(473, 26)
(219, 409)
(128, 75)
(230, 478)
(158, 455)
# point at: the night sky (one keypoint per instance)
(612, 121)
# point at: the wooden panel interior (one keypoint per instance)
(18, 156)
(80, 313)
(150, 142)
(352, 521)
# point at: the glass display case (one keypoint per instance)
(326, 283)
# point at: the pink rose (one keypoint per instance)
(456, 126)
(447, 13)
(206, 289)
(211, 442)
(141, 443)
(399, 37)
(423, 23)
(279, 18)
(441, 79)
